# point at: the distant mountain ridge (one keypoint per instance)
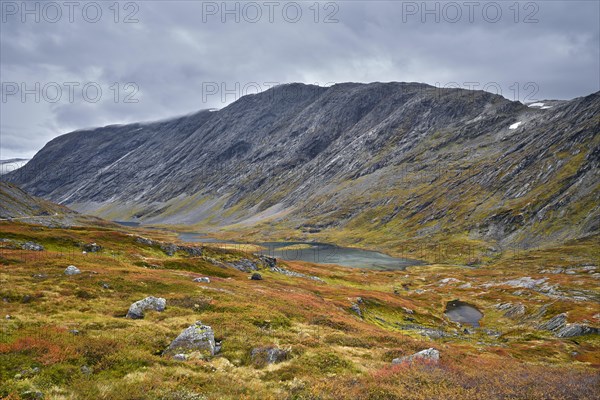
(399, 159)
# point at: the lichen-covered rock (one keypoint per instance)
(195, 338)
(72, 270)
(431, 355)
(136, 310)
(268, 355)
(572, 330)
(555, 323)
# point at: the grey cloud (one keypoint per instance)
(171, 53)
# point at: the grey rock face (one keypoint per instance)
(268, 355)
(136, 310)
(555, 323)
(72, 270)
(431, 355)
(196, 338)
(572, 330)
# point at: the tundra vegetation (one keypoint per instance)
(288, 336)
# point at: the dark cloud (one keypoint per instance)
(175, 52)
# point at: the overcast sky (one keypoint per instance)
(157, 59)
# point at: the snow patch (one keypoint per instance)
(536, 105)
(515, 125)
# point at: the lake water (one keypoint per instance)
(127, 223)
(322, 253)
(464, 313)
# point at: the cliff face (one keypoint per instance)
(400, 159)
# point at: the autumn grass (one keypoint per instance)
(67, 336)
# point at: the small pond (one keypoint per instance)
(463, 313)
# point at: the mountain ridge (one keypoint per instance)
(404, 159)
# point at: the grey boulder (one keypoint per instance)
(136, 310)
(72, 270)
(431, 355)
(195, 338)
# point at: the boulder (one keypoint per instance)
(136, 310)
(92, 247)
(430, 355)
(572, 330)
(72, 270)
(204, 279)
(195, 338)
(256, 277)
(268, 355)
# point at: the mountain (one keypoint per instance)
(380, 163)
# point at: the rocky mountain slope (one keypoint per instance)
(377, 161)
(16, 205)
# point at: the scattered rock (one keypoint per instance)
(86, 370)
(105, 285)
(72, 270)
(356, 309)
(7, 317)
(169, 248)
(32, 394)
(180, 357)
(32, 246)
(92, 248)
(136, 310)
(555, 323)
(268, 355)
(525, 282)
(196, 338)
(204, 279)
(256, 277)
(74, 331)
(572, 330)
(431, 355)
(39, 276)
(446, 281)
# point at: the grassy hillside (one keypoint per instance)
(66, 337)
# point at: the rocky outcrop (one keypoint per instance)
(136, 310)
(572, 330)
(429, 355)
(197, 338)
(555, 323)
(32, 246)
